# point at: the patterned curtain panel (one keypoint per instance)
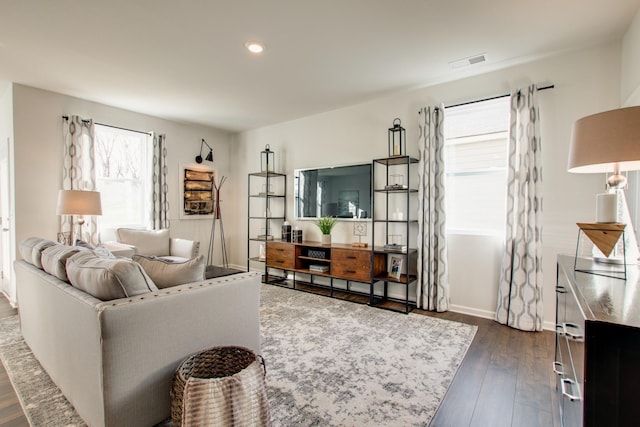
(520, 287)
(160, 211)
(433, 275)
(78, 171)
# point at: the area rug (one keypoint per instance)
(329, 363)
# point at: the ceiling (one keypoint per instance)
(186, 61)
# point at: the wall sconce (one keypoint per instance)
(397, 144)
(209, 156)
(267, 160)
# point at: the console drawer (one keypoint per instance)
(350, 264)
(280, 255)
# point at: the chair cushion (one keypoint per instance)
(31, 249)
(166, 273)
(147, 242)
(54, 260)
(108, 278)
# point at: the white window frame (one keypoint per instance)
(496, 163)
(145, 177)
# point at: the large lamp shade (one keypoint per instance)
(606, 141)
(79, 202)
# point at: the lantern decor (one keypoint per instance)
(267, 160)
(397, 144)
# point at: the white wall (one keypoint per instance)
(585, 82)
(630, 73)
(38, 158)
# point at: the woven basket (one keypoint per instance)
(220, 386)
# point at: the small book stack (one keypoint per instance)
(319, 268)
(395, 247)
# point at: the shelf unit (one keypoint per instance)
(393, 217)
(267, 211)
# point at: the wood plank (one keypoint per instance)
(11, 414)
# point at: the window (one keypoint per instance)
(123, 176)
(476, 141)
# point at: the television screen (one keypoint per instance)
(339, 192)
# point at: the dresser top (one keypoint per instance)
(603, 298)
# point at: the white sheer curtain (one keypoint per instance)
(520, 287)
(78, 171)
(433, 275)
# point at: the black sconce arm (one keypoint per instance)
(209, 156)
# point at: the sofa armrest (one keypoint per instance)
(183, 248)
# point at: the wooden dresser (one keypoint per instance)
(597, 346)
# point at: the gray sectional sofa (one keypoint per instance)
(115, 359)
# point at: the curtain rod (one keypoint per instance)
(114, 127)
(493, 97)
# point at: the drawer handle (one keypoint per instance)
(575, 336)
(558, 368)
(279, 261)
(350, 271)
(560, 330)
(567, 383)
(350, 257)
(279, 249)
(561, 290)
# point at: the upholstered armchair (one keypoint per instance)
(157, 243)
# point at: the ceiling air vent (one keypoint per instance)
(472, 60)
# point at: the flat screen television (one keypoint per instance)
(339, 192)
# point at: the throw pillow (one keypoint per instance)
(31, 249)
(165, 273)
(108, 278)
(147, 242)
(54, 260)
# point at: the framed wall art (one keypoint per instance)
(196, 192)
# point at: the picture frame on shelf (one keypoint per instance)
(395, 266)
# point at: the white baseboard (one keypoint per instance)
(486, 314)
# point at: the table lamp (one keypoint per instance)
(609, 142)
(78, 203)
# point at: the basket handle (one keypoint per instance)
(264, 366)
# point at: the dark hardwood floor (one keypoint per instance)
(505, 379)
(11, 414)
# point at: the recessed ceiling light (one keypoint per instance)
(254, 47)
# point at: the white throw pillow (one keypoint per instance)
(165, 273)
(31, 249)
(108, 278)
(147, 242)
(54, 260)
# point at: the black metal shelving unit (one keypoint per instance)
(394, 196)
(262, 222)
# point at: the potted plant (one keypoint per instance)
(325, 224)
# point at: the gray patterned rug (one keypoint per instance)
(329, 363)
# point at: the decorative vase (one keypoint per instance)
(326, 239)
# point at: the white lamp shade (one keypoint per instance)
(600, 141)
(79, 202)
